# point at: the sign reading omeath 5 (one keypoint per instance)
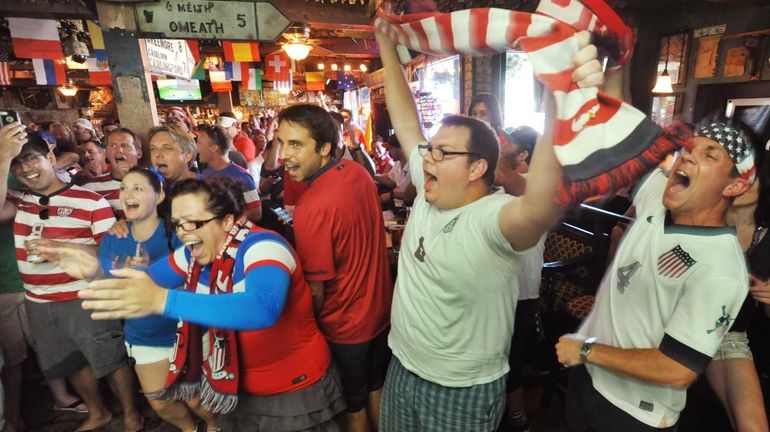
(199, 19)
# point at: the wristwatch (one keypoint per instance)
(585, 349)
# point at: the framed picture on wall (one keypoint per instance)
(672, 56)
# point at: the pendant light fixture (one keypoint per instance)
(663, 84)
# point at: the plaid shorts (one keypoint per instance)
(410, 403)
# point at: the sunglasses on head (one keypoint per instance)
(45, 212)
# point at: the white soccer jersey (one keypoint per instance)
(673, 287)
(76, 215)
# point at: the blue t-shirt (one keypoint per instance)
(153, 330)
(233, 171)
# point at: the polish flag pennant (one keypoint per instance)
(49, 72)
(241, 51)
(278, 67)
(219, 81)
(35, 38)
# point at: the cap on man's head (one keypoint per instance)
(226, 121)
(737, 144)
(85, 124)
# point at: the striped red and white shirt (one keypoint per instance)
(106, 186)
(78, 216)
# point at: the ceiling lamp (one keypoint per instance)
(347, 68)
(68, 90)
(663, 84)
(334, 66)
(297, 51)
(363, 67)
(320, 66)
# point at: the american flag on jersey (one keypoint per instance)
(674, 263)
(77, 216)
(602, 143)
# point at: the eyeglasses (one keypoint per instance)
(28, 159)
(45, 213)
(189, 226)
(438, 154)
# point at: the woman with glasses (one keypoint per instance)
(248, 345)
(148, 340)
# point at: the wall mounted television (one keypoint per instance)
(179, 90)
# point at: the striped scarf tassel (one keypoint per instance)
(216, 402)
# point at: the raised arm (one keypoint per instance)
(12, 138)
(524, 220)
(398, 97)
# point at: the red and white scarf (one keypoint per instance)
(602, 143)
(208, 366)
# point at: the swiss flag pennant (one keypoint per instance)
(277, 67)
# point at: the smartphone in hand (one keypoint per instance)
(8, 117)
(283, 215)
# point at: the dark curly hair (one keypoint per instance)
(224, 196)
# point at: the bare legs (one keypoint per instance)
(152, 377)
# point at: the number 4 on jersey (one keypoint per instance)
(625, 274)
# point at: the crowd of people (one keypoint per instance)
(243, 268)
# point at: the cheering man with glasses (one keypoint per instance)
(69, 343)
(453, 307)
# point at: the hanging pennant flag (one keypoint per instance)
(345, 81)
(315, 81)
(49, 72)
(98, 72)
(254, 81)
(35, 38)
(241, 51)
(97, 41)
(5, 73)
(237, 71)
(199, 72)
(194, 49)
(277, 67)
(284, 86)
(219, 81)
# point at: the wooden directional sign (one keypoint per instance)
(210, 19)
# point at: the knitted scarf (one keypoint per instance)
(602, 143)
(205, 360)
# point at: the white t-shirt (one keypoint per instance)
(673, 287)
(456, 291)
(531, 271)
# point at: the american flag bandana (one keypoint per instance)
(674, 263)
(737, 144)
(602, 143)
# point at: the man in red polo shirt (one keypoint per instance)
(340, 238)
(241, 142)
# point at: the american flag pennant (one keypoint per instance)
(5, 73)
(675, 263)
(602, 143)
